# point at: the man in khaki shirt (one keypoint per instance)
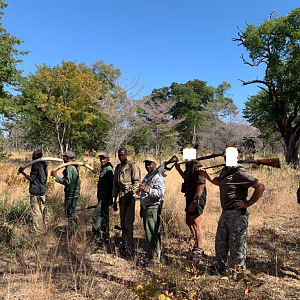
(127, 178)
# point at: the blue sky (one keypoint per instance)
(161, 41)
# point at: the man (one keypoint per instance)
(100, 218)
(37, 189)
(71, 182)
(233, 182)
(152, 193)
(127, 178)
(194, 189)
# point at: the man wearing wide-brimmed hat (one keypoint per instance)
(100, 218)
(152, 197)
(71, 181)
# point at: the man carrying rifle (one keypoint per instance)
(152, 192)
(234, 182)
(194, 189)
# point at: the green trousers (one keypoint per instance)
(100, 218)
(151, 220)
(71, 204)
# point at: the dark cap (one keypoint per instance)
(69, 154)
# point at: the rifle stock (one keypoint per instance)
(271, 162)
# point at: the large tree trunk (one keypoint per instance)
(291, 150)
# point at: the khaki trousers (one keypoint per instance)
(37, 204)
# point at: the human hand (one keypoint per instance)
(20, 170)
(192, 206)
(202, 171)
(142, 187)
(53, 173)
(239, 204)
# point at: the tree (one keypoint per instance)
(275, 44)
(10, 76)
(157, 117)
(191, 98)
(58, 99)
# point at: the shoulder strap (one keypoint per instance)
(231, 172)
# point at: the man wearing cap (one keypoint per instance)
(71, 182)
(234, 182)
(151, 197)
(100, 218)
(127, 178)
(37, 189)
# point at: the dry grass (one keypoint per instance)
(51, 266)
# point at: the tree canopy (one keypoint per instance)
(275, 44)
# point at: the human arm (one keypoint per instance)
(258, 190)
(135, 179)
(67, 176)
(177, 167)
(210, 178)
(21, 171)
(198, 193)
(156, 189)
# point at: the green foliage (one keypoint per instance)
(276, 108)
(195, 102)
(61, 105)
(11, 216)
(9, 58)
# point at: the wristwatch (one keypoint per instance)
(195, 200)
(250, 202)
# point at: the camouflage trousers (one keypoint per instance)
(231, 237)
(37, 205)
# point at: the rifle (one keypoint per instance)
(84, 208)
(271, 162)
(205, 157)
(164, 166)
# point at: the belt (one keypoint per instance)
(230, 208)
(152, 206)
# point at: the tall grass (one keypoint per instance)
(54, 265)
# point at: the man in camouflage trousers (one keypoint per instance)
(37, 189)
(127, 178)
(71, 182)
(233, 182)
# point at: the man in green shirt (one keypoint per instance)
(100, 218)
(71, 182)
